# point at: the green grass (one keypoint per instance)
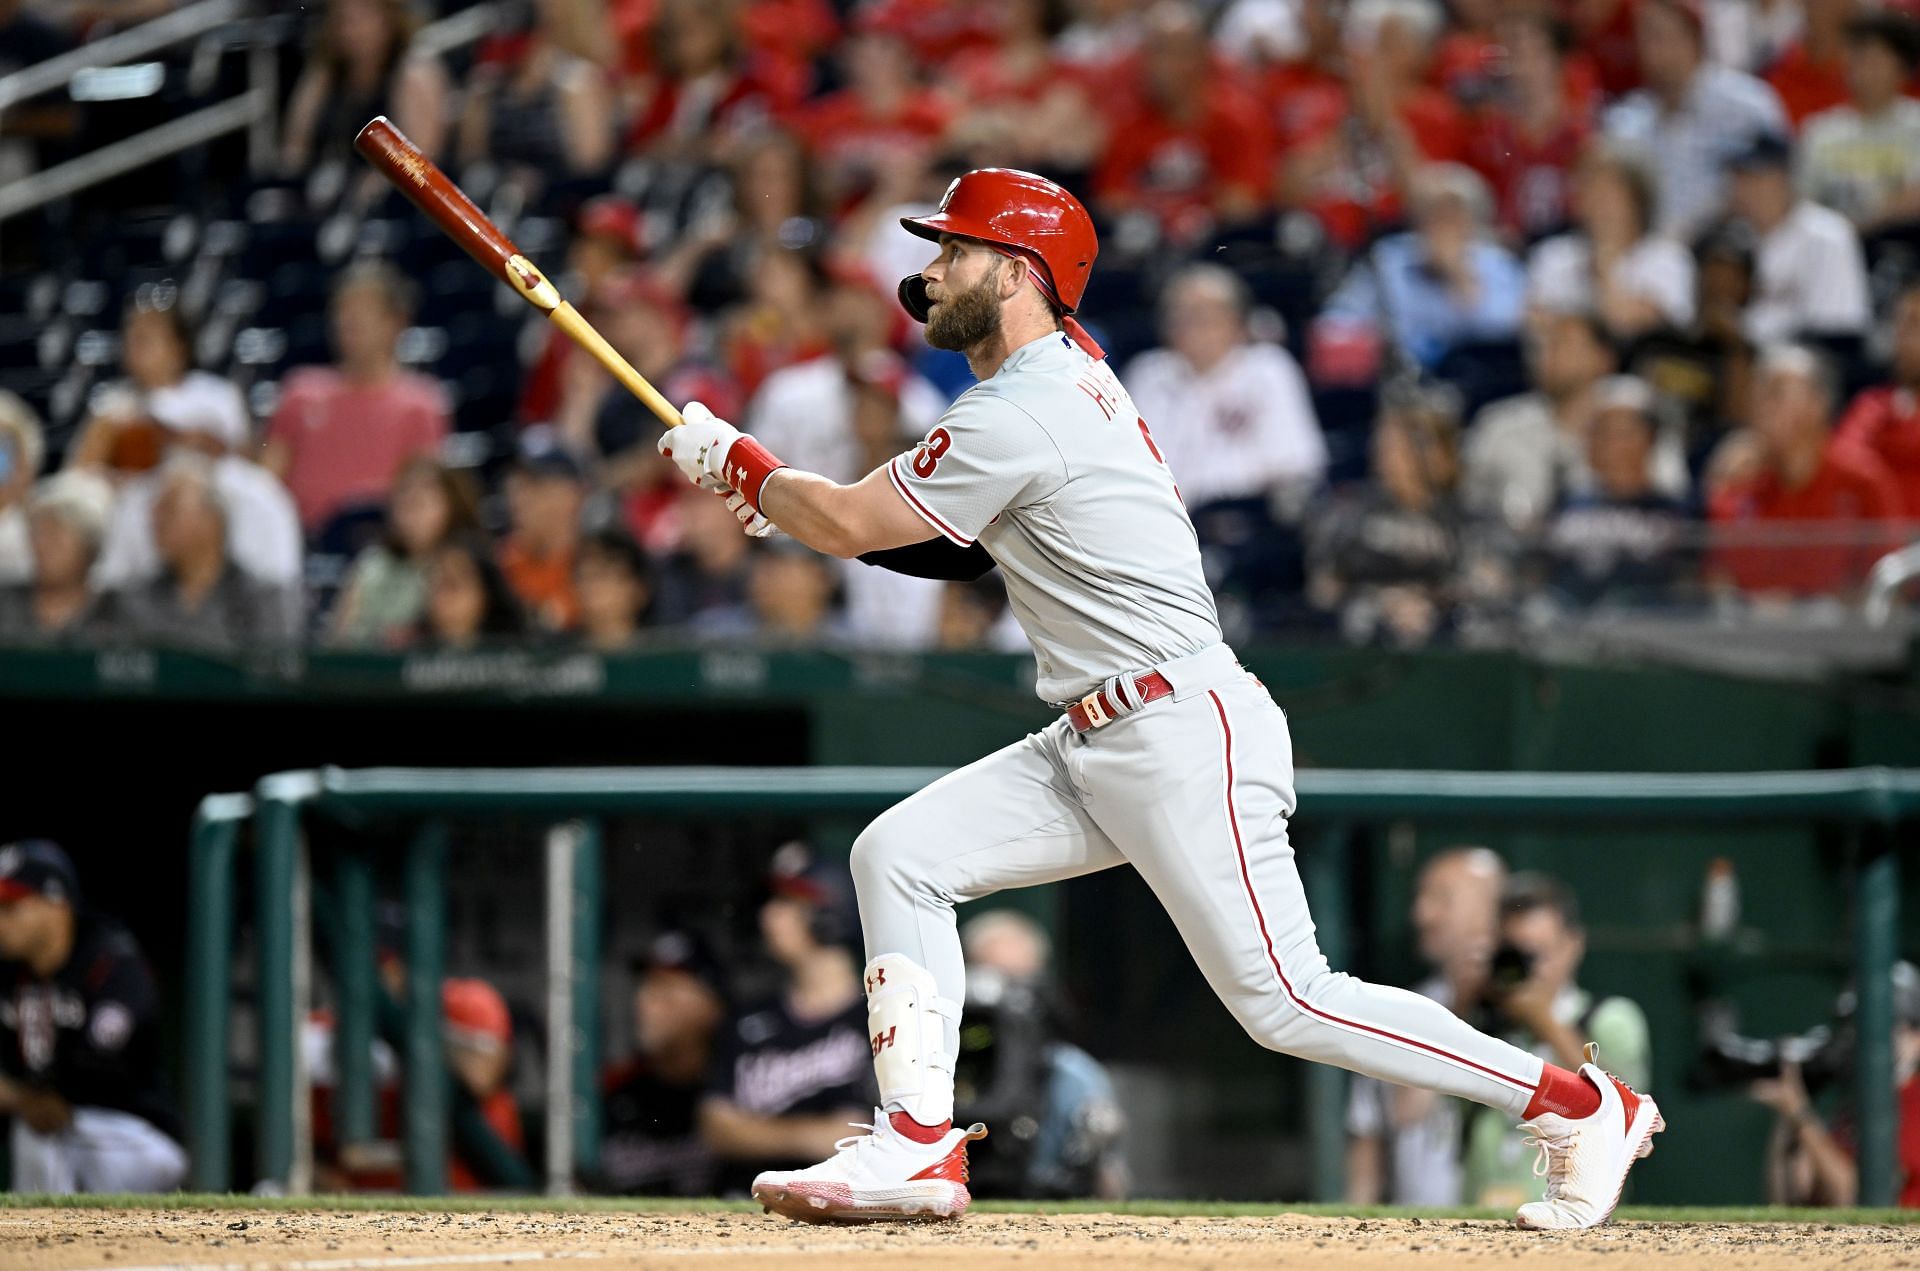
(1143, 1208)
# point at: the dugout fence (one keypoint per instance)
(1872, 806)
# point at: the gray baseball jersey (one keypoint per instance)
(1049, 467)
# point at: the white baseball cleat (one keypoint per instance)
(879, 1176)
(1585, 1160)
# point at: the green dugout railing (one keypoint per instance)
(1869, 801)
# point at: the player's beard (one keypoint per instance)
(967, 319)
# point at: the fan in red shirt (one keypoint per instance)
(1811, 75)
(779, 322)
(1192, 148)
(884, 117)
(1530, 137)
(1019, 103)
(1813, 516)
(1351, 152)
(699, 84)
(608, 237)
(1885, 421)
(934, 30)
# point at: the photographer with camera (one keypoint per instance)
(1533, 989)
(1809, 1163)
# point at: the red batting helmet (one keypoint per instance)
(1021, 213)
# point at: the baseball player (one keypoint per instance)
(1167, 756)
(80, 1068)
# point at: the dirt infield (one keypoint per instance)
(140, 1239)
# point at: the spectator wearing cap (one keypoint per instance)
(1356, 116)
(1690, 118)
(66, 518)
(1810, 74)
(609, 237)
(614, 581)
(1705, 368)
(468, 600)
(791, 1071)
(479, 1041)
(648, 324)
(1524, 453)
(536, 102)
(341, 432)
(1620, 540)
(1444, 283)
(651, 1142)
(1385, 560)
(385, 595)
(488, 1149)
(81, 1069)
(1230, 414)
(21, 450)
(1810, 274)
(1611, 261)
(546, 492)
(1862, 157)
(203, 597)
(1884, 421)
(1188, 147)
(1798, 515)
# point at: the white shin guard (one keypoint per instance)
(907, 1024)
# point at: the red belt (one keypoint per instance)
(1097, 709)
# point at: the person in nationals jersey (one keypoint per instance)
(1167, 756)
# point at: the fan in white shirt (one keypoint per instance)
(1232, 417)
(1810, 274)
(1613, 264)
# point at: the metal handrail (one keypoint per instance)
(1890, 573)
(178, 27)
(134, 152)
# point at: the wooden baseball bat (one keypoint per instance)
(446, 205)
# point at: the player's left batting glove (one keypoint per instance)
(716, 456)
(750, 519)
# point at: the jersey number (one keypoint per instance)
(931, 451)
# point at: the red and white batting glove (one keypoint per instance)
(716, 456)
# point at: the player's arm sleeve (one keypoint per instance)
(935, 558)
(116, 1052)
(1619, 1029)
(984, 456)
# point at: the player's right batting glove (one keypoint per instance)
(716, 456)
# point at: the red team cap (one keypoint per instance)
(476, 1014)
(1021, 213)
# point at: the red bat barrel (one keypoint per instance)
(430, 189)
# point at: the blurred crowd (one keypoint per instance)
(1452, 318)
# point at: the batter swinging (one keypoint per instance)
(1167, 757)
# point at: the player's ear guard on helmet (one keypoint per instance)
(913, 297)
